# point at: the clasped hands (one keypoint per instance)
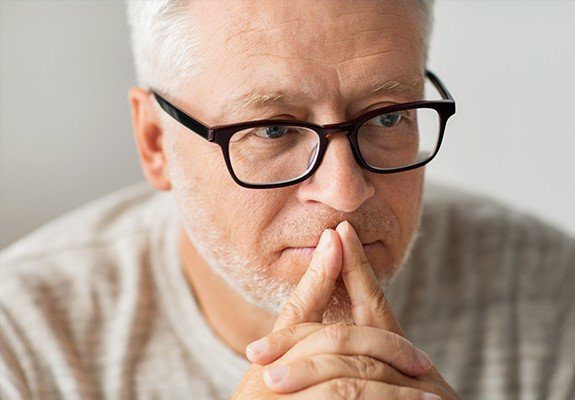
(304, 359)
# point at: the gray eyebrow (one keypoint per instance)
(396, 86)
(258, 97)
(255, 98)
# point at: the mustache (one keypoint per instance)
(305, 228)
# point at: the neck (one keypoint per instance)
(236, 321)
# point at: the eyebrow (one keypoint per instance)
(255, 98)
(406, 86)
(260, 97)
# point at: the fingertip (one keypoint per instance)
(334, 267)
(342, 227)
(423, 360)
(325, 240)
(327, 253)
(346, 230)
(332, 235)
(257, 349)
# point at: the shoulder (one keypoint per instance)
(72, 282)
(480, 250)
(488, 255)
(86, 247)
(100, 221)
(495, 284)
(480, 224)
(84, 243)
(80, 287)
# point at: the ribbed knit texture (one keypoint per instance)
(95, 305)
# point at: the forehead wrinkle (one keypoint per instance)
(355, 58)
(285, 57)
(254, 30)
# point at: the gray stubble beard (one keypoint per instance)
(256, 286)
(253, 282)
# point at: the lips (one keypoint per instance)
(309, 250)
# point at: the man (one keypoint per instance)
(292, 230)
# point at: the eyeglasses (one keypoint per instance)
(275, 153)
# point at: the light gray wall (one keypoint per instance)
(65, 130)
(511, 67)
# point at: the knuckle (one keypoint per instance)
(290, 335)
(292, 309)
(316, 274)
(346, 388)
(278, 339)
(290, 332)
(310, 366)
(338, 334)
(367, 367)
(398, 341)
(364, 262)
(398, 347)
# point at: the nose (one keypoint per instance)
(339, 182)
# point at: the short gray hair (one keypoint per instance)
(163, 47)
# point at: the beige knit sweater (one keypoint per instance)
(95, 306)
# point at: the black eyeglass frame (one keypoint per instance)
(221, 134)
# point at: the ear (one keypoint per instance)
(149, 138)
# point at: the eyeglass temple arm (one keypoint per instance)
(183, 118)
(439, 85)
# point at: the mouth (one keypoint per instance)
(308, 251)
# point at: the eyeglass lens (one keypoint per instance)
(275, 153)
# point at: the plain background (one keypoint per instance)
(66, 136)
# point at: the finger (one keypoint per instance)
(368, 302)
(275, 344)
(308, 300)
(353, 388)
(303, 373)
(385, 346)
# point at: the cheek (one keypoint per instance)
(197, 172)
(402, 193)
(213, 204)
(193, 161)
(252, 214)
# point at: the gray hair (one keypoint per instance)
(163, 47)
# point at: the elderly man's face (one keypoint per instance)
(316, 61)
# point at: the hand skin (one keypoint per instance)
(369, 360)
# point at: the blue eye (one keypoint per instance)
(271, 132)
(389, 120)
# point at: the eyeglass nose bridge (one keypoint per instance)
(336, 128)
(348, 130)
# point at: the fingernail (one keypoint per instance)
(423, 359)
(430, 396)
(324, 241)
(275, 374)
(256, 348)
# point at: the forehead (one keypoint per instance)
(321, 50)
